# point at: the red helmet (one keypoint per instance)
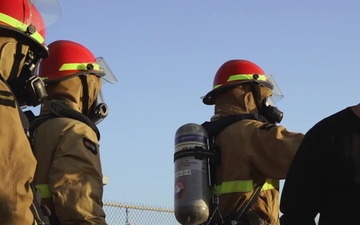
(234, 72)
(24, 19)
(67, 59)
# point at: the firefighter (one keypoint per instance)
(22, 36)
(65, 136)
(255, 151)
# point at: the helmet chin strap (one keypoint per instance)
(255, 90)
(85, 96)
(16, 66)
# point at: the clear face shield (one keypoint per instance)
(99, 110)
(276, 94)
(49, 10)
(268, 107)
(40, 14)
(108, 76)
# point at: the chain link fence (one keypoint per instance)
(129, 214)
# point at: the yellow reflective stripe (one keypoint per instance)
(245, 77)
(239, 77)
(77, 66)
(271, 184)
(244, 186)
(235, 186)
(21, 26)
(44, 190)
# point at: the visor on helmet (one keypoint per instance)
(276, 94)
(49, 9)
(108, 74)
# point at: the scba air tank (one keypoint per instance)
(192, 197)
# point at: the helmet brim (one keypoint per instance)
(39, 49)
(88, 72)
(210, 97)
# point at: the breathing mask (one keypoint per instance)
(99, 110)
(266, 104)
(30, 87)
(270, 112)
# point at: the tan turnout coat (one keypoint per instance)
(17, 162)
(69, 172)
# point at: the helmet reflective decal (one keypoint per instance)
(244, 77)
(21, 26)
(79, 66)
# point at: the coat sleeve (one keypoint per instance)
(75, 177)
(273, 148)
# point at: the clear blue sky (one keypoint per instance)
(165, 54)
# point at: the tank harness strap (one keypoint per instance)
(246, 205)
(44, 190)
(213, 128)
(41, 213)
(60, 109)
(243, 216)
(197, 151)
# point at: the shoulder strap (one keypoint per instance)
(41, 212)
(60, 109)
(35, 122)
(215, 127)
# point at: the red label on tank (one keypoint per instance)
(179, 189)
